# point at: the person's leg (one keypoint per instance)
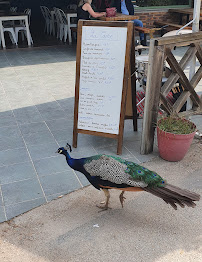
(139, 23)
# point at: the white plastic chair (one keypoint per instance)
(13, 9)
(11, 33)
(49, 22)
(64, 27)
(22, 27)
(57, 21)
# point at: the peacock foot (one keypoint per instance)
(122, 198)
(103, 208)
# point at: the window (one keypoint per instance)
(150, 3)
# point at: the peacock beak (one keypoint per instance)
(59, 151)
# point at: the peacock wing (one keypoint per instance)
(112, 169)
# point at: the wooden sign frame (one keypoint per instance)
(126, 80)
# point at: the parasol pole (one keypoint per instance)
(195, 28)
(196, 14)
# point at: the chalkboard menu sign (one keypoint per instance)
(103, 63)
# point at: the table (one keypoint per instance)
(185, 11)
(14, 17)
(119, 17)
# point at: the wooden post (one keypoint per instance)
(76, 99)
(133, 83)
(153, 86)
(131, 108)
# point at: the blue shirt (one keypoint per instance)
(124, 9)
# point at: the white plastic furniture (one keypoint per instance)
(15, 17)
(10, 23)
(69, 25)
(56, 19)
(13, 9)
(49, 22)
(11, 33)
(64, 24)
(22, 27)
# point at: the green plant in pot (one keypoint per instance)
(174, 137)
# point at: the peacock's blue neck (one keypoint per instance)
(73, 163)
(69, 159)
(78, 165)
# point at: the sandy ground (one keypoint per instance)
(71, 229)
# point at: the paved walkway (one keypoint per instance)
(36, 117)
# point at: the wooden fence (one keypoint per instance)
(159, 52)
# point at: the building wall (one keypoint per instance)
(149, 17)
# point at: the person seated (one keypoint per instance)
(84, 10)
(126, 7)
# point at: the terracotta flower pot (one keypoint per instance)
(173, 147)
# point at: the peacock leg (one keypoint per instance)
(105, 207)
(121, 197)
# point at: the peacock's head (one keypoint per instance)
(63, 150)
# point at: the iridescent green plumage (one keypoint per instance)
(89, 159)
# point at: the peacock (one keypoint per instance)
(111, 172)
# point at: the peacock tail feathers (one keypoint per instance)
(151, 178)
(175, 196)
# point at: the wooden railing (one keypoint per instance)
(159, 52)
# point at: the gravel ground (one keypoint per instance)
(71, 229)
